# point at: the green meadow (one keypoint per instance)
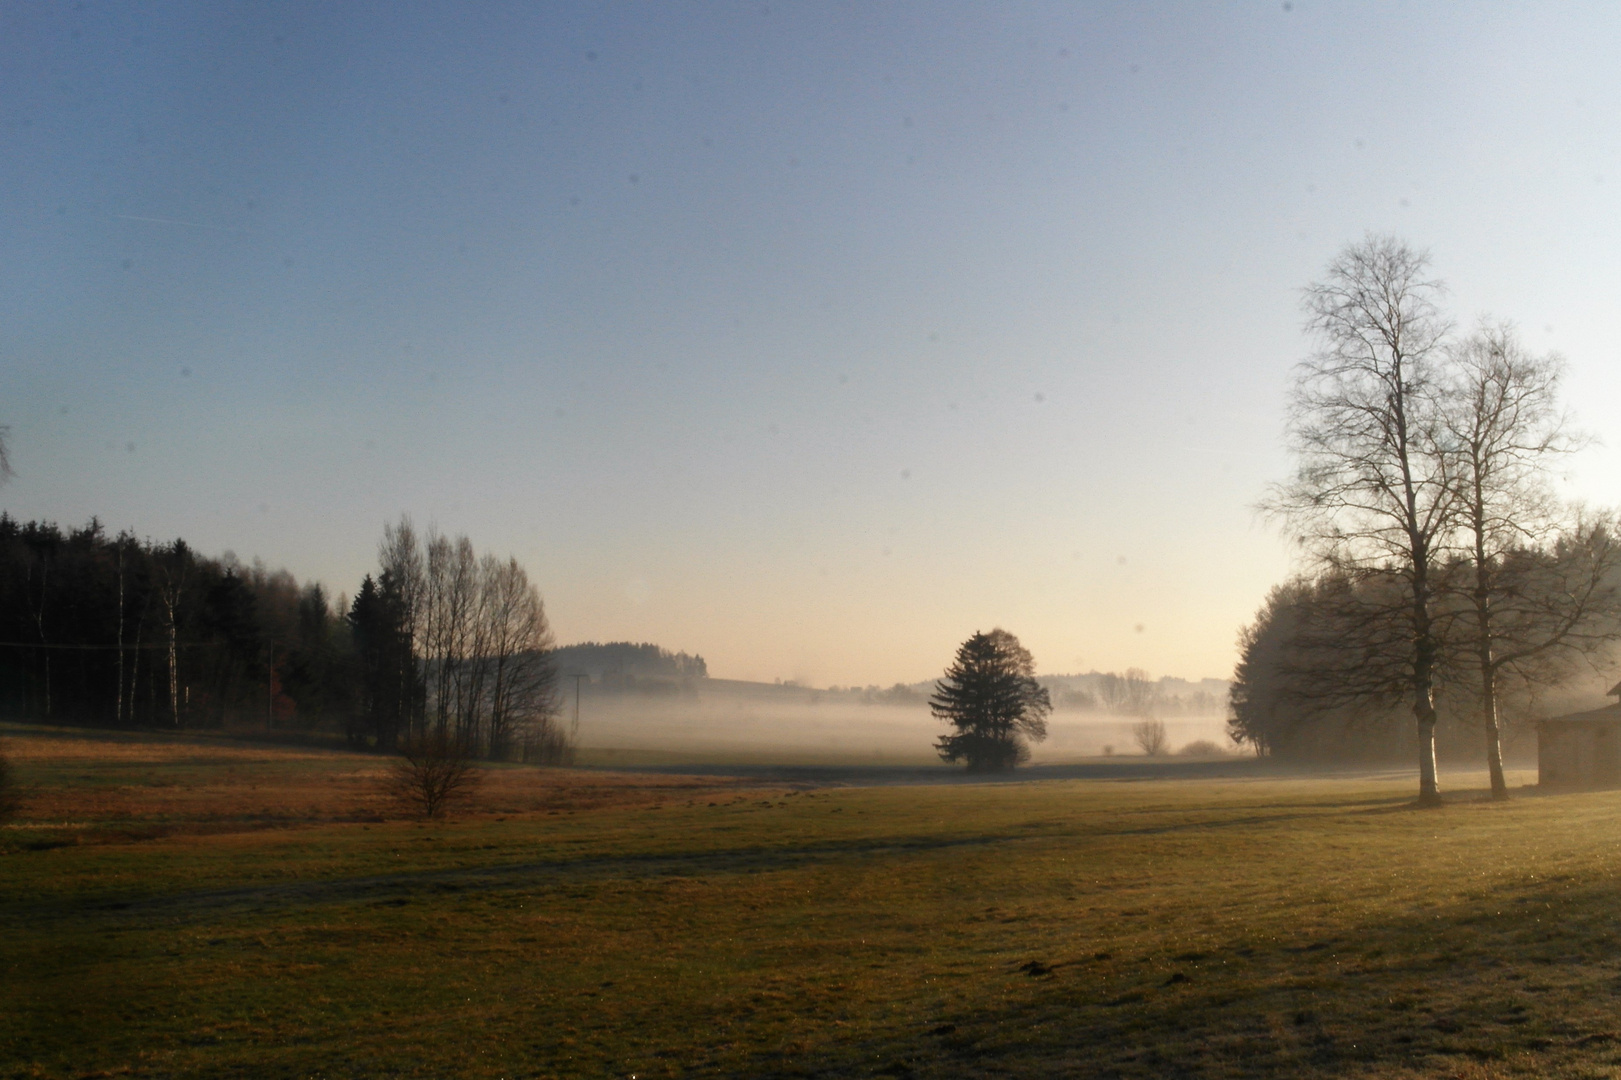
(194, 908)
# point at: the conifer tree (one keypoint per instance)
(990, 697)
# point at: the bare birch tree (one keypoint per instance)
(441, 651)
(481, 641)
(1540, 585)
(400, 558)
(1373, 492)
(173, 565)
(478, 644)
(523, 701)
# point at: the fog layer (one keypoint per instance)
(722, 724)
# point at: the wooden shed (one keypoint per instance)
(1582, 750)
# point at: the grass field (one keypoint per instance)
(196, 908)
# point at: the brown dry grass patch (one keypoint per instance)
(105, 787)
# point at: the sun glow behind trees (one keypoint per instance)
(1423, 502)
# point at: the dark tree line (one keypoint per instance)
(389, 688)
(628, 659)
(1321, 674)
(105, 629)
(118, 631)
(1322, 670)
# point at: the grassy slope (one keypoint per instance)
(1204, 928)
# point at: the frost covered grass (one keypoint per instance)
(1260, 927)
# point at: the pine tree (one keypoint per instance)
(390, 686)
(990, 696)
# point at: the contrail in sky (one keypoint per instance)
(171, 221)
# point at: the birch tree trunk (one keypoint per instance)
(1374, 491)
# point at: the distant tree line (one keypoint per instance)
(114, 630)
(1322, 667)
(599, 659)
(104, 629)
(873, 694)
(1133, 693)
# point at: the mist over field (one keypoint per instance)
(717, 720)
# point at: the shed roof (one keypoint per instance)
(1607, 714)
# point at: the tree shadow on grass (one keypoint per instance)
(1475, 990)
(192, 905)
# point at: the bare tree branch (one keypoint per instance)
(1539, 585)
(1374, 492)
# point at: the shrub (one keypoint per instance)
(1202, 748)
(435, 772)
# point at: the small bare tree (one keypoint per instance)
(435, 772)
(1151, 737)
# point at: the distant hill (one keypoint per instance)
(625, 660)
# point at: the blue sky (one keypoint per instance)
(810, 337)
